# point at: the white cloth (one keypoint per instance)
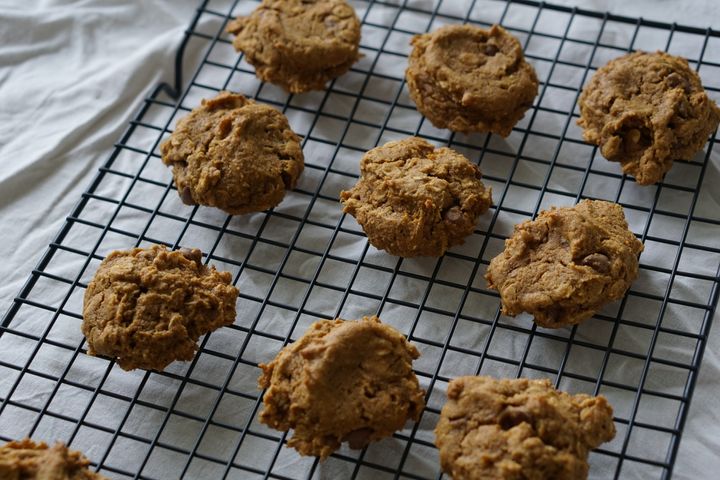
(72, 74)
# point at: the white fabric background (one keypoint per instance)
(72, 73)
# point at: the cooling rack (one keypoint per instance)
(305, 260)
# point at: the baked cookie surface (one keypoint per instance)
(568, 262)
(234, 154)
(645, 110)
(520, 429)
(468, 79)
(299, 44)
(341, 381)
(147, 307)
(415, 200)
(26, 460)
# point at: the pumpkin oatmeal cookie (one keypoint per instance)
(341, 381)
(147, 307)
(299, 44)
(520, 429)
(413, 199)
(27, 460)
(234, 154)
(467, 79)
(646, 110)
(566, 264)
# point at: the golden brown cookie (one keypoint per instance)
(342, 381)
(413, 199)
(566, 264)
(27, 460)
(519, 430)
(645, 110)
(467, 79)
(299, 44)
(147, 307)
(233, 154)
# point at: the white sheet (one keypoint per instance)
(72, 74)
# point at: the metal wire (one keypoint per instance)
(127, 187)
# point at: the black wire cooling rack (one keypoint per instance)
(306, 260)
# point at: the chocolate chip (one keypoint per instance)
(513, 416)
(597, 261)
(683, 109)
(193, 254)
(490, 50)
(186, 196)
(147, 254)
(287, 180)
(358, 438)
(478, 173)
(675, 80)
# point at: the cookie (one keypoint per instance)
(341, 381)
(519, 430)
(566, 264)
(299, 44)
(234, 154)
(415, 200)
(645, 110)
(26, 460)
(147, 307)
(467, 79)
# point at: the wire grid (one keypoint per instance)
(305, 260)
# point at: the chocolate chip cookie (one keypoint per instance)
(467, 79)
(415, 200)
(565, 265)
(645, 110)
(299, 44)
(519, 429)
(234, 154)
(147, 307)
(341, 381)
(25, 460)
